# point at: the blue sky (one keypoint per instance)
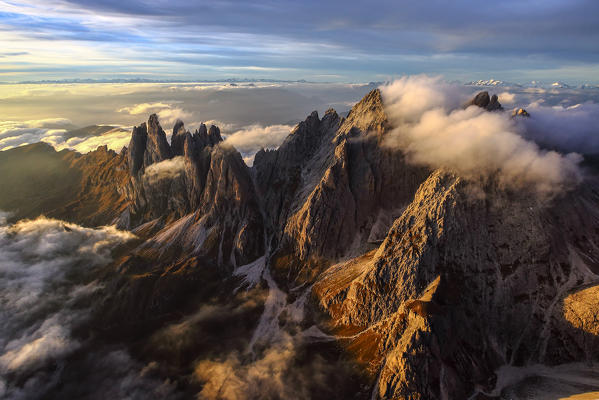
(344, 41)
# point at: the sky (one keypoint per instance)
(330, 41)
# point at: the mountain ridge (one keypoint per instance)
(418, 278)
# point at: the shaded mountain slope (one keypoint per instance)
(38, 180)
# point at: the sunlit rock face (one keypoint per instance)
(581, 309)
(200, 179)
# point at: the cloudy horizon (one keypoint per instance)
(328, 42)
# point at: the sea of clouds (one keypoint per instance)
(254, 115)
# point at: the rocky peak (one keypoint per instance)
(520, 112)
(483, 100)
(137, 148)
(207, 137)
(368, 115)
(202, 131)
(157, 148)
(148, 145)
(214, 136)
(303, 140)
(330, 119)
(179, 127)
(494, 104)
(178, 138)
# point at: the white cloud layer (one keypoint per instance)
(433, 129)
(168, 112)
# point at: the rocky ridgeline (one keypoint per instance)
(429, 282)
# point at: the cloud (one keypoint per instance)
(230, 379)
(432, 129)
(507, 98)
(17, 133)
(114, 139)
(169, 116)
(144, 108)
(4, 217)
(276, 373)
(46, 267)
(42, 265)
(53, 130)
(167, 112)
(572, 128)
(167, 169)
(98, 104)
(258, 39)
(250, 140)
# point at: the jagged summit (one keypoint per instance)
(178, 138)
(157, 148)
(149, 145)
(483, 100)
(368, 115)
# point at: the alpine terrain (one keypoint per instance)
(335, 267)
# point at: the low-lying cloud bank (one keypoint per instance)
(55, 132)
(45, 266)
(432, 127)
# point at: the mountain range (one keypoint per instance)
(387, 279)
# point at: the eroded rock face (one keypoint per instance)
(465, 283)
(332, 190)
(178, 138)
(581, 309)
